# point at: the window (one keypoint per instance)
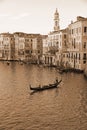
(27, 51)
(31, 40)
(64, 35)
(76, 55)
(69, 31)
(84, 45)
(84, 56)
(72, 31)
(38, 51)
(84, 62)
(85, 28)
(57, 44)
(63, 55)
(79, 56)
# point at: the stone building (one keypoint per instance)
(61, 54)
(19, 45)
(45, 48)
(7, 46)
(51, 42)
(56, 41)
(67, 47)
(35, 47)
(28, 47)
(78, 43)
(29, 39)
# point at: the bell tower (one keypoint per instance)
(56, 21)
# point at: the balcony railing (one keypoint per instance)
(72, 49)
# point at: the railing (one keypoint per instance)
(72, 49)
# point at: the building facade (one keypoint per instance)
(28, 47)
(7, 46)
(56, 41)
(19, 45)
(78, 43)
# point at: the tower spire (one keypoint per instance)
(56, 21)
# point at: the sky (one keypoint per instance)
(37, 16)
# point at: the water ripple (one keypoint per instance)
(64, 108)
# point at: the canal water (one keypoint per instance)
(63, 108)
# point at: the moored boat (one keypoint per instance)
(8, 63)
(50, 86)
(60, 71)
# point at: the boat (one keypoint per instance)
(60, 71)
(45, 87)
(8, 63)
(21, 63)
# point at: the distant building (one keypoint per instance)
(45, 48)
(7, 46)
(61, 54)
(37, 47)
(28, 47)
(19, 45)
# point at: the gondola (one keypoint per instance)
(45, 87)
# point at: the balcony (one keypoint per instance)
(73, 49)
